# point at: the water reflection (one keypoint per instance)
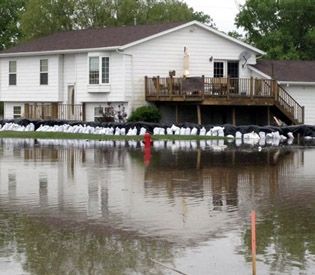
(100, 200)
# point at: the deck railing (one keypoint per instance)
(200, 88)
(46, 111)
(208, 86)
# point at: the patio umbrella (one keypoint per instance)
(186, 62)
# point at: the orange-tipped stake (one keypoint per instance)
(253, 227)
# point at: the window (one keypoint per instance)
(98, 113)
(233, 69)
(218, 69)
(105, 69)
(12, 72)
(94, 72)
(17, 111)
(44, 72)
(98, 70)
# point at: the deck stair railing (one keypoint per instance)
(288, 105)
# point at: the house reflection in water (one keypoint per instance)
(185, 197)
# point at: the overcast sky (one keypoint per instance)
(223, 12)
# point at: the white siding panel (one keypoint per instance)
(305, 96)
(28, 87)
(163, 54)
(69, 78)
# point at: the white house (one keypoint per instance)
(85, 73)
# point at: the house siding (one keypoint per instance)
(28, 87)
(165, 53)
(304, 95)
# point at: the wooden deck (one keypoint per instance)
(224, 92)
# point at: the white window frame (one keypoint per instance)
(43, 70)
(12, 72)
(103, 75)
(17, 114)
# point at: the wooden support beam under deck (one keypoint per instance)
(199, 114)
(233, 116)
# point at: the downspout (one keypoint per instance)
(121, 52)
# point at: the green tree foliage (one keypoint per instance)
(44, 17)
(285, 29)
(9, 26)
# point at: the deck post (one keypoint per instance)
(176, 113)
(228, 88)
(54, 110)
(303, 114)
(203, 89)
(199, 114)
(233, 116)
(146, 86)
(251, 88)
(170, 88)
(83, 111)
(275, 89)
(26, 110)
(268, 115)
(158, 86)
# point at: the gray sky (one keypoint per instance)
(222, 11)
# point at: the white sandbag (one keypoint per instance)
(169, 131)
(238, 135)
(194, 131)
(203, 131)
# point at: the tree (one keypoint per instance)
(285, 29)
(9, 26)
(44, 17)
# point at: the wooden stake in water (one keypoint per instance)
(253, 229)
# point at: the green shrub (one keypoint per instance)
(145, 113)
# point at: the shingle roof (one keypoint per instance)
(91, 38)
(288, 70)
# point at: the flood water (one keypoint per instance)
(78, 207)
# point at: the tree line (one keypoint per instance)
(285, 29)
(22, 20)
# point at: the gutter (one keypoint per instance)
(20, 54)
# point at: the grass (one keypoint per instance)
(54, 135)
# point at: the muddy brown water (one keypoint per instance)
(77, 207)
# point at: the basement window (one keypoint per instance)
(17, 111)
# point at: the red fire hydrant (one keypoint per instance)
(147, 140)
(147, 148)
